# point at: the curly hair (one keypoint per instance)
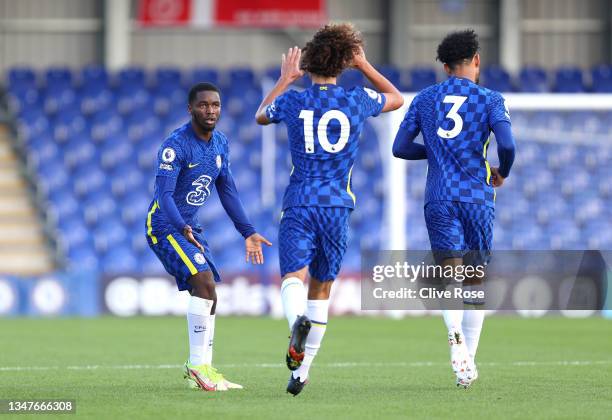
(457, 47)
(331, 50)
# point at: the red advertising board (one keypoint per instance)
(270, 13)
(233, 13)
(165, 12)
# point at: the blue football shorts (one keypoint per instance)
(181, 258)
(458, 229)
(315, 237)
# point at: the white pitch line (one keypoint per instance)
(327, 365)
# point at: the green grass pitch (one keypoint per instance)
(367, 368)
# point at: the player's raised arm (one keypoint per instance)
(290, 72)
(394, 98)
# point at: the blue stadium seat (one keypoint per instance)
(51, 176)
(351, 78)
(33, 124)
(82, 258)
(21, 77)
(93, 101)
(116, 151)
(133, 207)
(24, 100)
(137, 239)
(533, 79)
(73, 232)
(58, 77)
(214, 211)
(568, 80)
(602, 78)
(167, 99)
(62, 204)
(240, 78)
(131, 79)
(129, 101)
(126, 179)
(168, 77)
(304, 82)
(104, 124)
(421, 77)
(496, 78)
(80, 151)
(59, 97)
(205, 74)
(142, 125)
(146, 157)
(110, 234)
(149, 263)
(272, 73)
(87, 179)
(392, 73)
(99, 207)
(178, 116)
(42, 150)
(94, 77)
(69, 123)
(119, 259)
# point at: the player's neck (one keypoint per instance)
(464, 74)
(322, 80)
(200, 133)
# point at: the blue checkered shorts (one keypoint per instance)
(456, 227)
(181, 258)
(315, 237)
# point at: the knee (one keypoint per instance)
(319, 290)
(203, 286)
(300, 274)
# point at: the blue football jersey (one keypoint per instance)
(195, 164)
(323, 123)
(456, 118)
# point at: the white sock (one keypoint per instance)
(293, 295)
(316, 311)
(210, 338)
(198, 315)
(453, 319)
(472, 326)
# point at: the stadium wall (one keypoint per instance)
(404, 33)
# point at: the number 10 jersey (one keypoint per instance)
(456, 118)
(323, 123)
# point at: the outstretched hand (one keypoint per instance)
(290, 65)
(254, 251)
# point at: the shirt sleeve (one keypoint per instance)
(166, 185)
(404, 146)
(498, 110)
(230, 200)
(371, 101)
(411, 124)
(170, 159)
(278, 110)
(505, 146)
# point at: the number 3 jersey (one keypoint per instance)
(323, 124)
(456, 118)
(194, 165)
